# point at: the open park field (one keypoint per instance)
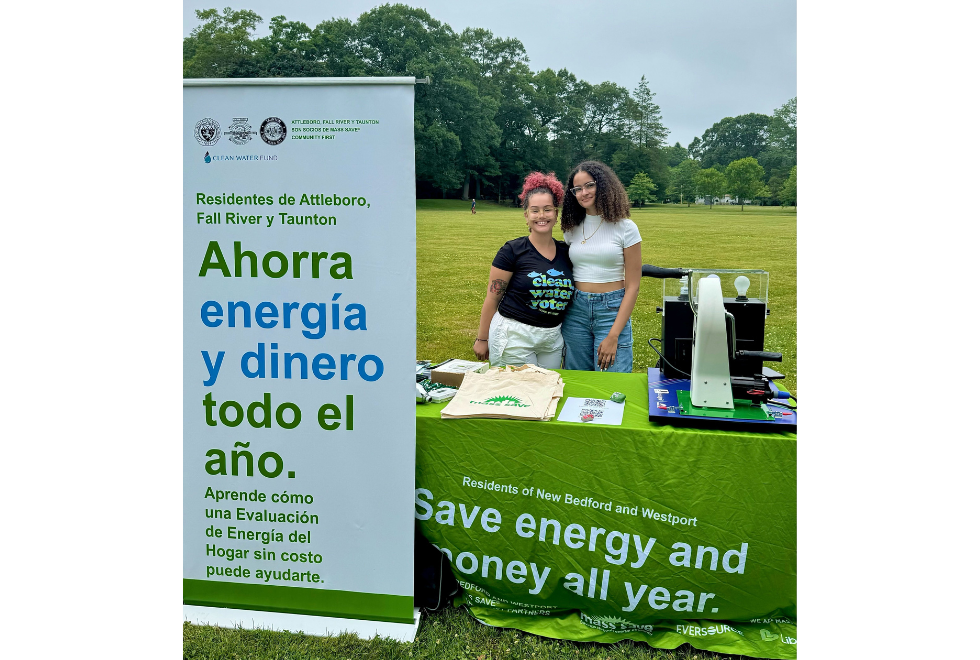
(454, 252)
(455, 249)
(451, 634)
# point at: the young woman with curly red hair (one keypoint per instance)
(530, 286)
(604, 246)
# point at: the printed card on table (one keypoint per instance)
(603, 411)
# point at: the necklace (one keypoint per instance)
(593, 233)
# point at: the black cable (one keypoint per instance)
(652, 339)
(784, 405)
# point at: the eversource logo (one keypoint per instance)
(505, 401)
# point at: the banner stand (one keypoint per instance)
(298, 439)
(318, 626)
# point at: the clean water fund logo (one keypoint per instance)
(239, 158)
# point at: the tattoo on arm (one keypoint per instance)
(497, 287)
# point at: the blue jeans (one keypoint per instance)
(587, 322)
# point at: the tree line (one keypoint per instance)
(486, 119)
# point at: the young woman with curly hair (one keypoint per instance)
(604, 246)
(530, 286)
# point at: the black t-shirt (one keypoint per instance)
(540, 290)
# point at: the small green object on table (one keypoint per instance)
(618, 397)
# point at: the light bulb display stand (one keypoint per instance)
(710, 373)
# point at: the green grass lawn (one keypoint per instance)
(454, 251)
(449, 635)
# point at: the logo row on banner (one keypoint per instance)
(273, 130)
(208, 131)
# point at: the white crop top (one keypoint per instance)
(601, 258)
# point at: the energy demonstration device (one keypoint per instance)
(711, 371)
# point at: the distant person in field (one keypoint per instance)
(604, 246)
(530, 286)
(473, 206)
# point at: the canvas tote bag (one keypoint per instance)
(527, 392)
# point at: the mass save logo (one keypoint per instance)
(505, 401)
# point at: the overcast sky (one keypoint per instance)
(705, 59)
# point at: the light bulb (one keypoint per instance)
(742, 286)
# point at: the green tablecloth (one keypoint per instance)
(601, 533)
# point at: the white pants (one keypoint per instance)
(516, 343)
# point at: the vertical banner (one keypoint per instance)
(299, 344)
